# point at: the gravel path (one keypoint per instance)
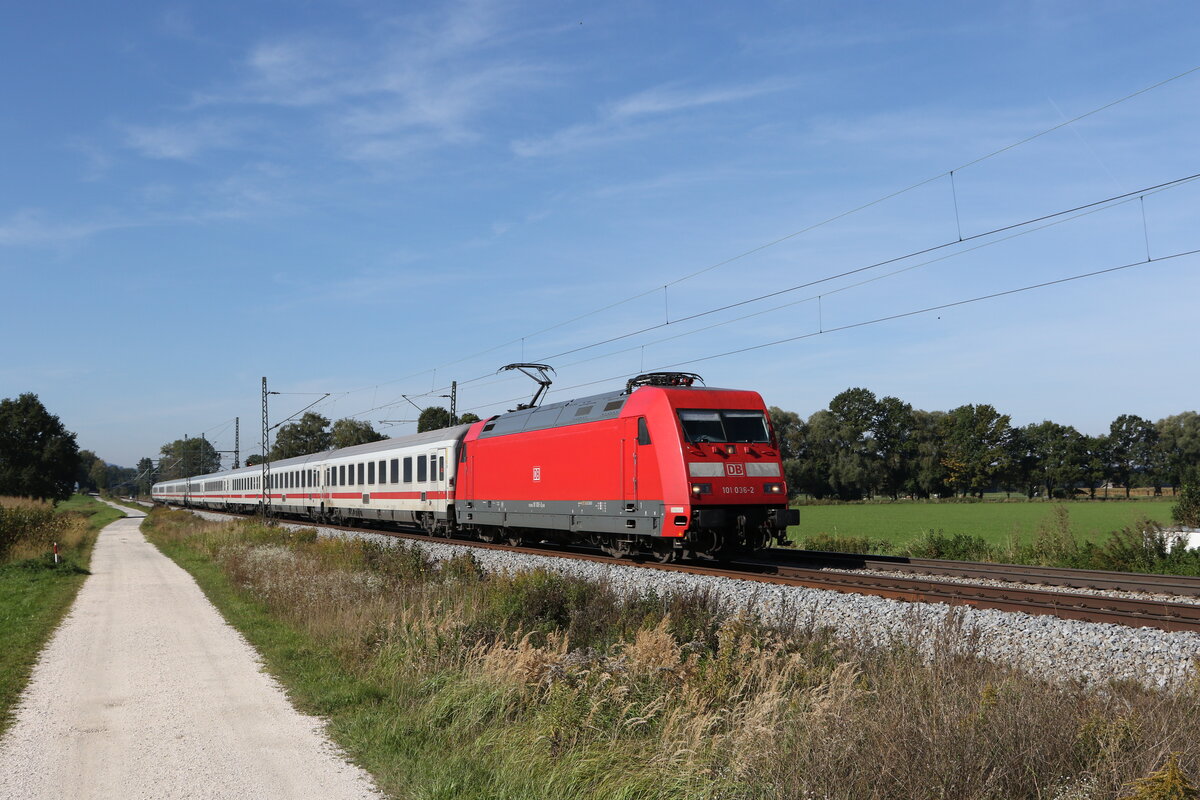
(145, 692)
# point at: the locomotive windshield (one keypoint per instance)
(702, 425)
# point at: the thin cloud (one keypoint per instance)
(29, 227)
(626, 119)
(424, 81)
(183, 141)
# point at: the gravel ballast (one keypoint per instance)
(1069, 650)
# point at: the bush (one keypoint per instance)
(957, 546)
(832, 543)
(1187, 510)
(29, 524)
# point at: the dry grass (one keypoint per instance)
(563, 688)
(30, 528)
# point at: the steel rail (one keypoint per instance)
(1183, 585)
(1131, 612)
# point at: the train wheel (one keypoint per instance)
(664, 551)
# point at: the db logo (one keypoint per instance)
(735, 470)
(537, 473)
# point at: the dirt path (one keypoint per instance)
(145, 692)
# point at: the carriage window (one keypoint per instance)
(383, 472)
(420, 469)
(361, 482)
(342, 475)
(441, 468)
(395, 470)
(408, 470)
(371, 473)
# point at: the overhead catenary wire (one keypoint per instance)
(807, 229)
(874, 321)
(1064, 215)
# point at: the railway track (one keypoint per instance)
(793, 570)
(1104, 580)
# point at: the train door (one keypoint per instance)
(629, 463)
(437, 474)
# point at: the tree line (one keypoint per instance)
(862, 446)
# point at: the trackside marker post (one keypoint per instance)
(56, 552)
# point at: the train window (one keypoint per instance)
(489, 426)
(462, 453)
(371, 473)
(745, 426)
(342, 475)
(395, 470)
(361, 482)
(408, 470)
(421, 469)
(441, 468)
(643, 431)
(382, 472)
(702, 426)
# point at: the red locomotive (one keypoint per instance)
(664, 467)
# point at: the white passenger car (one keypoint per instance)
(407, 480)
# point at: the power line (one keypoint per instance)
(785, 238)
(1055, 218)
(878, 320)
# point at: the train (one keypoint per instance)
(664, 468)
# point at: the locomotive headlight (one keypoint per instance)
(701, 488)
(773, 488)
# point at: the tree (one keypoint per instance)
(1178, 448)
(855, 468)
(38, 456)
(894, 443)
(432, 419)
(1057, 455)
(977, 451)
(812, 444)
(929, 476)
(184, 458)
(349, 432)
(146, 476)
(1131, 441)
(83, 473)
(468, 418)
(307, 435)
(787, 425)
(99, 475)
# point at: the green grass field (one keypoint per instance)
(900, 523)
(35, 593)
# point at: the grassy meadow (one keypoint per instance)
(445, 682)
(35, 593)
(899, 523)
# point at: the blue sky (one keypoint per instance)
(372, 199)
